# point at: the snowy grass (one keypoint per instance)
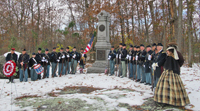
(109, 97)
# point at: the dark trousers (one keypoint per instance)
(11, 78)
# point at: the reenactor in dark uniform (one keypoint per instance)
(32, 63)
(111, 58)
(141, 59)
(61, 60)
(123, 60)
(12, 56)
(68, 60)
(46, 63)
(38, 58)
(134, 61)
(126, 60)
(153, 48)
(53, 59)
(130, 61)
(76, 58)
(148, 64)
(23, 65)
(158, 62)
(118, 59)
(138, 66)
(82, 59)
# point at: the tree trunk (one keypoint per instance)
(127, 22)
(72, 15)
(121, 22)
(173, 20)
(164, 24)
(132, 21)
(189, 34)
(38, 22)
(145, 20)
(32, 25)
(180, 27)
(138, 14)
(153, 19)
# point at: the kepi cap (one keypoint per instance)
(159, 44)
(154, 44)
(141, 45)
(148, 46)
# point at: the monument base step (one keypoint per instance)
(98, 67)
(95, 70)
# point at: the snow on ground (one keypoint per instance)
(190, 77)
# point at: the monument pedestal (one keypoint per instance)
(102, 45)
(98, 67)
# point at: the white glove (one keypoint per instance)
(127, 56)
(29, 68)
(59, 57)
(149, 57)
(35, 64)
(136, 57)
(144, 66)
(46, 61)
(74, 56)
(82, 55)
(120, 56)
(109, 57)
(154, 66)
(67, 56)
(117, 56)
(43, 60)
(58, 60)
(43, 57)
(63, 56)
(78, 61)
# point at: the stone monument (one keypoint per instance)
(103, 44)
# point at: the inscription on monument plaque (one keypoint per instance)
(101, 54)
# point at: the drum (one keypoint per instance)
(38, 69)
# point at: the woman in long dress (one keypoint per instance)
(170, 89)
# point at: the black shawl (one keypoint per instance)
(172, 64)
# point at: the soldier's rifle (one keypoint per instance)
(67, 63)
(55, 67)
(45, 67)
(136, 68)
(63, 59)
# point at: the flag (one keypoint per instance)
(89, 46)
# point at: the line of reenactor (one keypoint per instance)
(65, 61)
(136, 63)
